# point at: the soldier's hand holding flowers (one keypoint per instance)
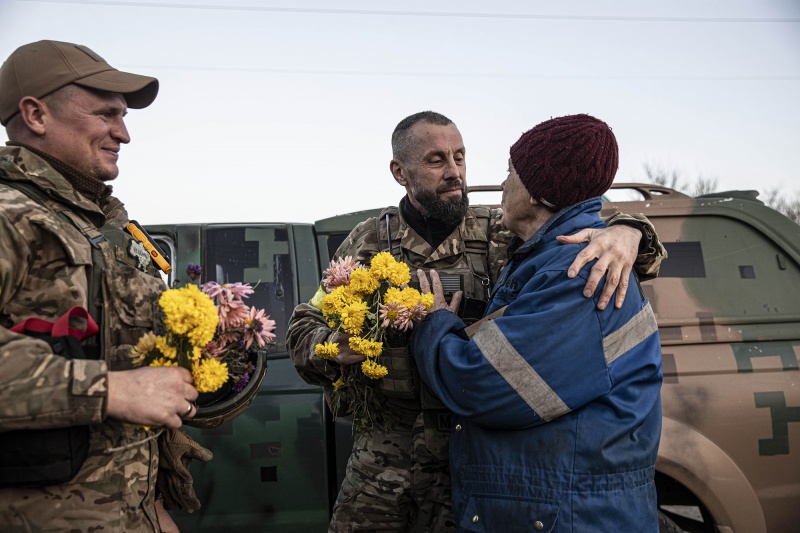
(364, 305)
(211, 332)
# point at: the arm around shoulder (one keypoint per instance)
(651, 250)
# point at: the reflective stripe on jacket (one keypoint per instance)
(558, 413)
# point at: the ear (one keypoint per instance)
(32, 111)
(398, 171)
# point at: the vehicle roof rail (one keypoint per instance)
(650, 191)
(742, 195)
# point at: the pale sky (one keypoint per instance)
(279, 111)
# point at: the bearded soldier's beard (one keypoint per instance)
(450, 212)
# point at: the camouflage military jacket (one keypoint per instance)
(43, 273)
(308, 328)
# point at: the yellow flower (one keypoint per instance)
(362, 282)
(408, 297)
(209, 374)
(399, 275)
(384, 266)
(393, 294)
(366, 347)
(161, 361)
(197, 352)
(352, 317)
(338, 299)
(146, 343)
(427, 300)
(373, 370)
(327, 350)
(191, 313)
(338, 383)
(166, 349)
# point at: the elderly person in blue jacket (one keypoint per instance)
(557, 411)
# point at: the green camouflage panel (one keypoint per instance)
(727, 306)
(407, 472)
(43, 273)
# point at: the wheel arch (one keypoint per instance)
(692, 459)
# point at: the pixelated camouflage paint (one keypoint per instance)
(729, 319)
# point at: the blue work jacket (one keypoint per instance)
(557, 410)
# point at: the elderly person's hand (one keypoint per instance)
(439, 301)
(615, 249)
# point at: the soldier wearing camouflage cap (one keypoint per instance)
(63, 247)
(398, 479)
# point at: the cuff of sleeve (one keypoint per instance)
(89, 389)
(645, 244)
(89, 378)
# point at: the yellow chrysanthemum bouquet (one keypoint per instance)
(211, 332)
(366, 303)
(190, 319)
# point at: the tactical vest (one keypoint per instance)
(468, 272)
(109, 290)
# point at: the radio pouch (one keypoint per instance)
(40, 457)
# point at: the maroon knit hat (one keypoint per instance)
(566, 160)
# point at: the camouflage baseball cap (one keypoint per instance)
(37, 69)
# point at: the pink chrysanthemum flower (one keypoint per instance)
(228, 297)
(215, 349)
(225, 338)
(339, 273)
(258, 327)
(227, 291)
(418, 312)
(395, 315)
(232, 315)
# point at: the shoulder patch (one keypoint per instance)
(140, 255)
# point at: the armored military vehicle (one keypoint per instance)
(728, 308)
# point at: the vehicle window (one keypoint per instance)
(334, 241)
(168, 248)
(258, 255)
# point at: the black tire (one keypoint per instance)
(666, 525)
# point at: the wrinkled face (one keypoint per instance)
(515, 202)
(86, 131)
(435, 174)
